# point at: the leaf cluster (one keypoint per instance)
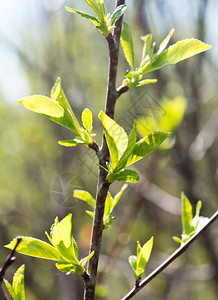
(63, 248)
(150, 60)
(110, 204)
(190, 224)
(138, 262)
(104, 23)
(17, 290)
(125, 150)
(57, 109)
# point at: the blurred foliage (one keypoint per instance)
(38, 176)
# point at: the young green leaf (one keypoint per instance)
(165, 41)
(70, 143)
(10, 289)
(57, 94)
(34, 247)
(66, 267)
(126, 176)
(176, 53)
(119, 11)
(43, 105)
(84, 15)
(127, 45)
(63, 240)
(133, 262)
(55, 108)
(147, 49)
(139, 262)
(146, 146)
(87, 120)
(17, 290)
(83, 261)
(119, 194)
(116, 137)
(146, 81)
(85, 196)
(130, 146)
(187, 216)
(144, 254)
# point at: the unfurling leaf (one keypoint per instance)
(64, 248)
(190, 225)
(125, 176)
(119, 11)
(138, 263)
(127, 45)
(116, 137)
(43, 105)
(87, 120)
(17, 290)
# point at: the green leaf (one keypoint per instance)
(18, 283)
(85, 196)
(108, 205)
(55, 108)
(119, 194)
(146, 51)
(146, 146)
(87, 120)
(176, 239)
(63, 240)
(119, 11)
(127, 45)
(34, 247)
(146, 81)
(43, 105)
(116, 137)
(130, 146)
(69, 120)
(84, 15)
(126, 176)
(90, 213)
(10, 289)
(186, 215)
(70, 143)
(145, 253)
(65, 267)
(165, 41)
(133, 262)
(176, 53)
(86, 259)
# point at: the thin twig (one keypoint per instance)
(9, 260)
(169, 260)
(103, 155)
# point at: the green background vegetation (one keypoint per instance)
(34, 166)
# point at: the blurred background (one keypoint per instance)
(39, 41)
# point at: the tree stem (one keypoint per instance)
(103, 155)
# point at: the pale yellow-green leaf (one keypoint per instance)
(176, 53)
(43, 105)
(127, 45)
(87, 119)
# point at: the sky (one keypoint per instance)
(18, 16)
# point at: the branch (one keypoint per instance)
(9, 260)
(103, 155)
(169, 260)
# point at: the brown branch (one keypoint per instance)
(169, 260)
(9, 260)
(103, 155)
